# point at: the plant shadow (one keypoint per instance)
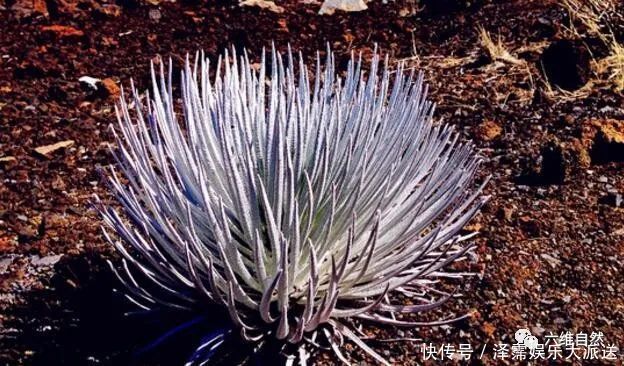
(78, 319)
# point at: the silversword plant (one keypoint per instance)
(296, 199)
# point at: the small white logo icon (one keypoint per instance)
(524, 336)
(530, 342)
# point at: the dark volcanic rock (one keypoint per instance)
(553, 166)
(609, 142)
(566, 64)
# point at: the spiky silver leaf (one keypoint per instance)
(292, 203)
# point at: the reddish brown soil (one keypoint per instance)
(551, 243)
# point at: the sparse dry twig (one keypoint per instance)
(497, 50)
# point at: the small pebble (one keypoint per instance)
(566, 299)
(155, 15)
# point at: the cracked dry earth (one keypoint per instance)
(551, 239)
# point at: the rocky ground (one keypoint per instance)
(551, 238)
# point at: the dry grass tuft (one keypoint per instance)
(597, 18)
(497, 50)
(613, 66)
(559, 95)
(593, 15)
